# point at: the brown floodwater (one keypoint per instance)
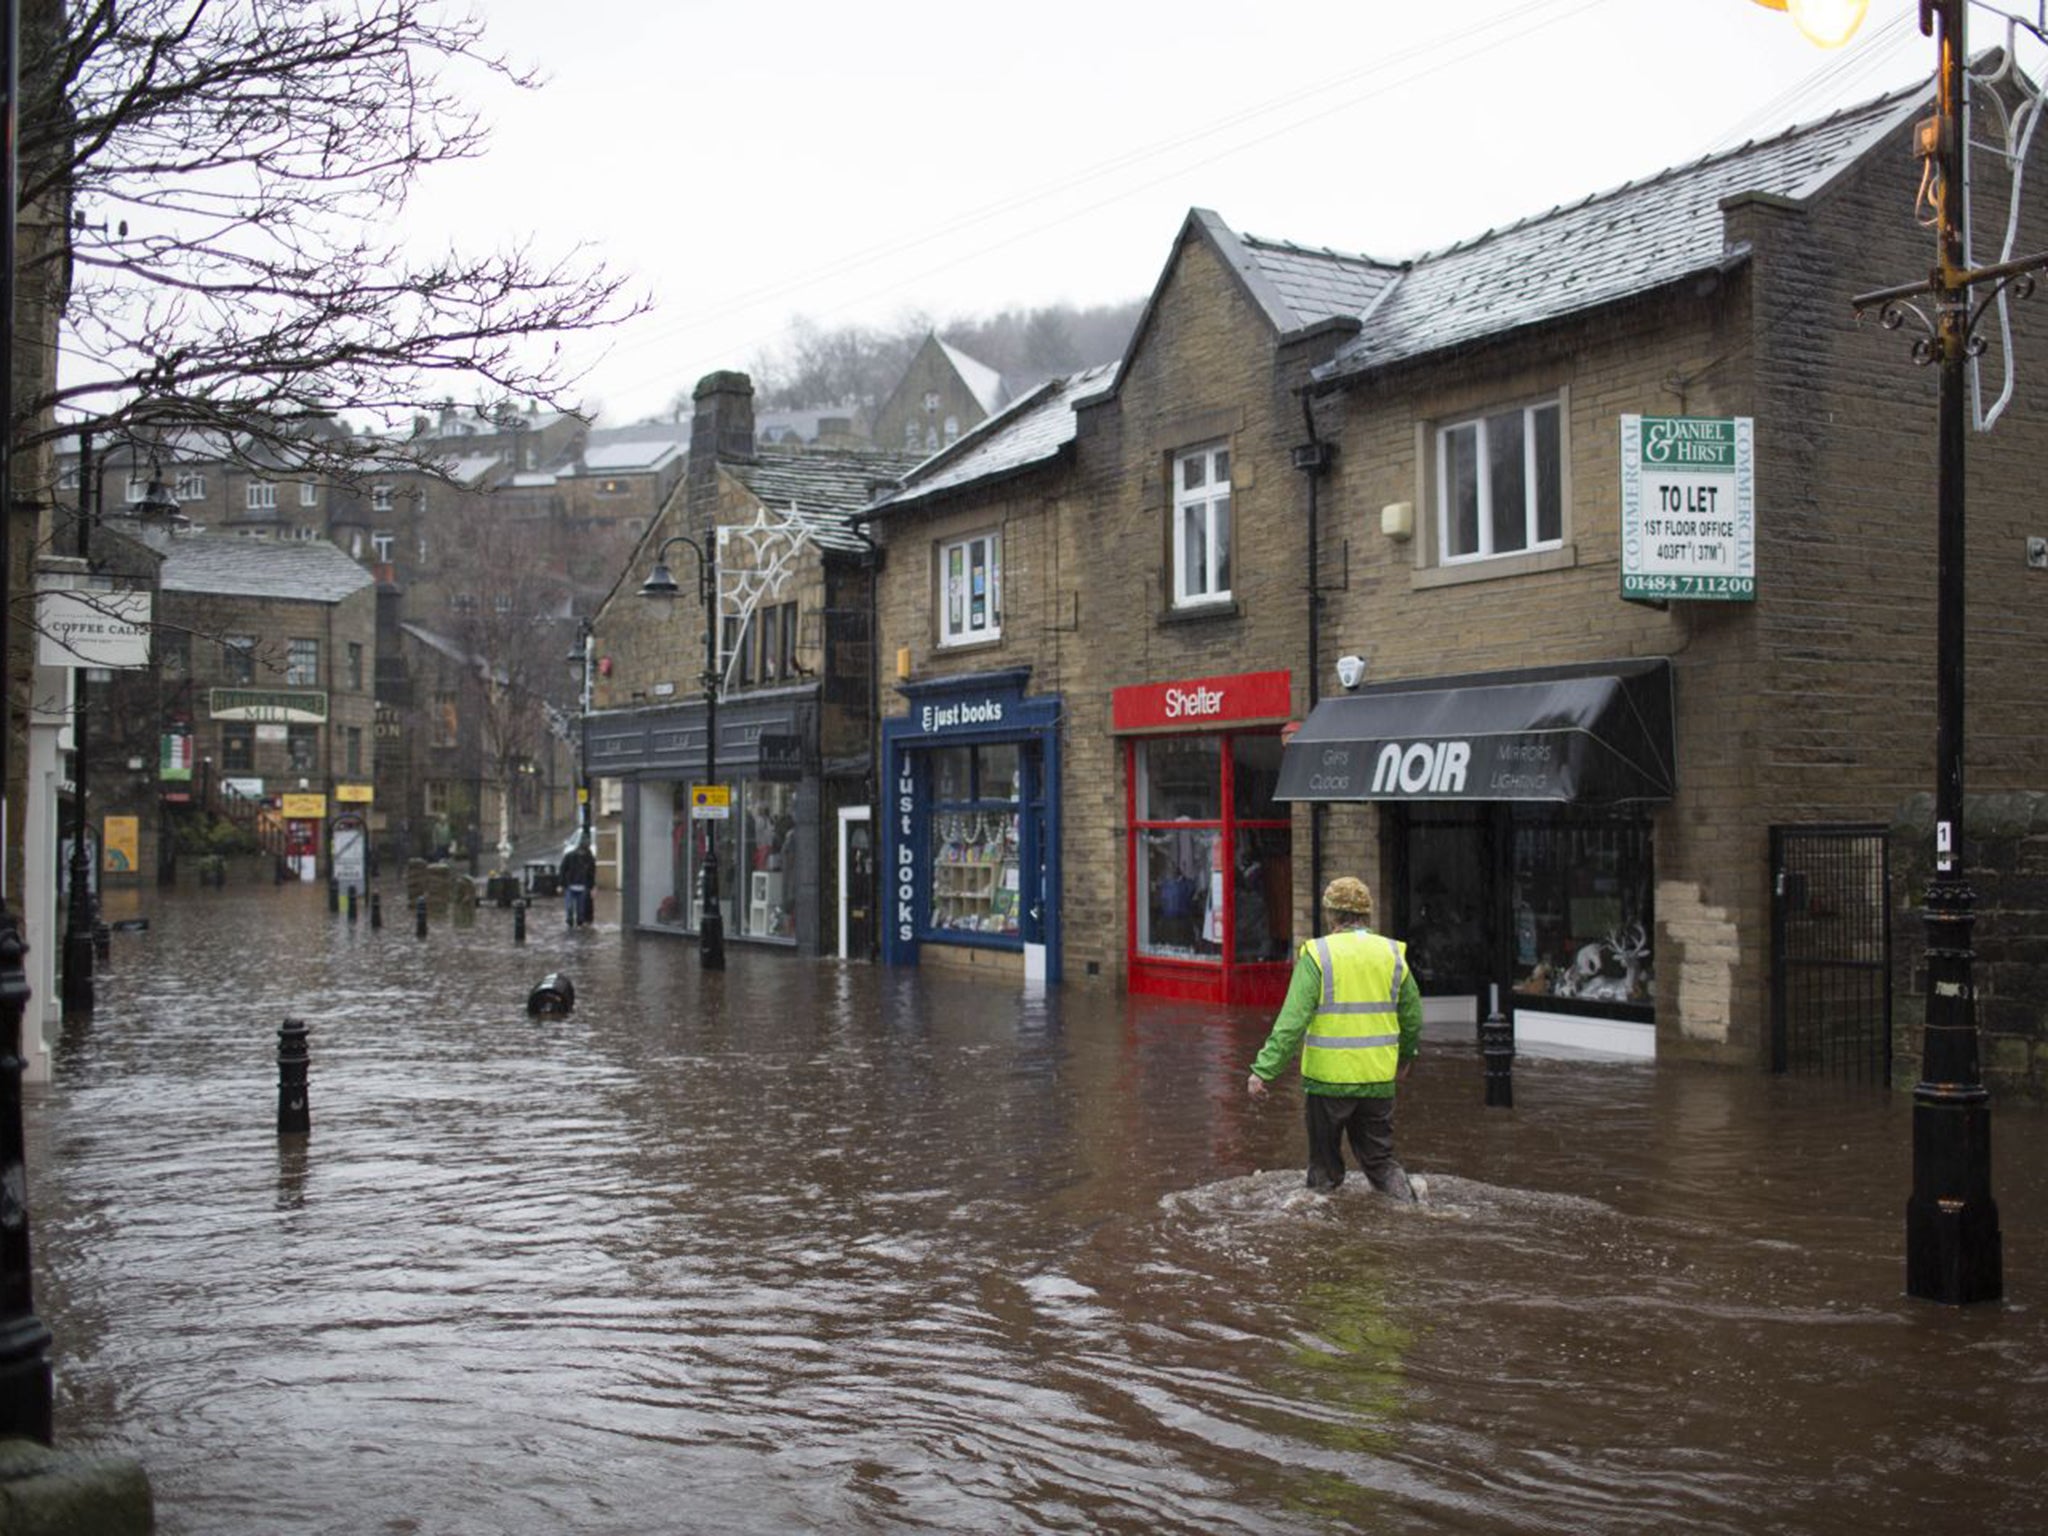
(819, 1247)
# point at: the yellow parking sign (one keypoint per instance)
(711, 802)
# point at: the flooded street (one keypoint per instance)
(810, 1247)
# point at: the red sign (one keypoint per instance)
(1203, 701)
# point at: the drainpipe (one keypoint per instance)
(1313, 458)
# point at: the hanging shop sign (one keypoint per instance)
(92, 629)
(271, 706)
(174, 758)
(1688, 508)
(355, 794)
(782, 759)
(303, 807)
(1203, 702)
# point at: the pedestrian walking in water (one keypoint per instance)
(579, 878)
(1355, 1014)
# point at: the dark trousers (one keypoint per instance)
(1369, 1125)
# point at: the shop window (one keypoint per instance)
(302, 664)
(302, 748)
(1201, 526)
(238, 658)
(1580, 908)
(971, 590)
(759, 859)
(975, 802)
(238, 748)
(1212, 857)
(1500, 484)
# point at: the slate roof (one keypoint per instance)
(1611, 246)
(623, 455)
(982, 381)
(224, 565)
(1031, 431)
(1321, 284)
(822, 487)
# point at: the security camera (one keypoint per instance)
(1350, 670)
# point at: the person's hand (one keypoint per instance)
(1401, 1072)
(1255, 1085)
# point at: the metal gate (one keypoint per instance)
(1831, 985)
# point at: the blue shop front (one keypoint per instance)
(971, 834)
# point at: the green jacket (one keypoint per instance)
(1304, 995)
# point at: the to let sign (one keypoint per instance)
(1688, 508)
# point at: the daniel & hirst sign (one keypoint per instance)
(1688, 508)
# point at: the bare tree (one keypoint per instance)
(232, 174)
(508, 610)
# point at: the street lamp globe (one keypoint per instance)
(1826, 23)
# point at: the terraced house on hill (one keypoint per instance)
(1621, 774)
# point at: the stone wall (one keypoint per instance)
(2005, 848)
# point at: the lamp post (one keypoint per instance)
(1953, 1243)
(78, 996)
(580, 659)
(660, 584)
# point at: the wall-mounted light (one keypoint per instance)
(1397, 521)
(1350, 671)
(903, 663)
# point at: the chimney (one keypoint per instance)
(721, 432)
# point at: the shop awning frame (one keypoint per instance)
(1591, 734)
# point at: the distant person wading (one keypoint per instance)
(1355, 1014)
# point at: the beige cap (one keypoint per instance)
(1345, 894)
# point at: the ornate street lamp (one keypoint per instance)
(1953, 1244)
(660, 584)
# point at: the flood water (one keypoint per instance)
(808, 1247)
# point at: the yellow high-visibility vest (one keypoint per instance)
(1355, 1036)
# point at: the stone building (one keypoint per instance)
(1578, 771)
(942, 394)
(792, 665)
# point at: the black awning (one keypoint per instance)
(1592, 734)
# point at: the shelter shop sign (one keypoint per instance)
(1688, 508)
(1202, 701)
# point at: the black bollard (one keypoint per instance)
(419, 917)
(376, 909)
(294, 1112)
(552, 996)
(102, 942)
(351, 903)
(333, 895)
(1497, 1050)
(519, 921)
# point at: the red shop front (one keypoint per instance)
(1209, 869)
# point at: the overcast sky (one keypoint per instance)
(748, 162)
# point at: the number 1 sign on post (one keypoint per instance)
(1688, 508)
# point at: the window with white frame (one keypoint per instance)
(1201, 525)
(1500, 484)
(191, 485)
(302, 664)
(262, 495)
(971, 589)
(382, 544)
(380, 498)
(309, 494)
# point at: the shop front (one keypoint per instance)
(1209, 866)
(1519, 823)
(970, 839)
(763, 833)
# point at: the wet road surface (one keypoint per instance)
(813, 1247)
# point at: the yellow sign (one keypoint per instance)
(303, 807)
(358, 794)
(123, 844)
(710, 802)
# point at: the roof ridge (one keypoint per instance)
(1871, 107)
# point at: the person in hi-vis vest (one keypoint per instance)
(1354, 1012)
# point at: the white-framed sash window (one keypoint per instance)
(1500, 483)
(971, 589)
(1201, 525)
